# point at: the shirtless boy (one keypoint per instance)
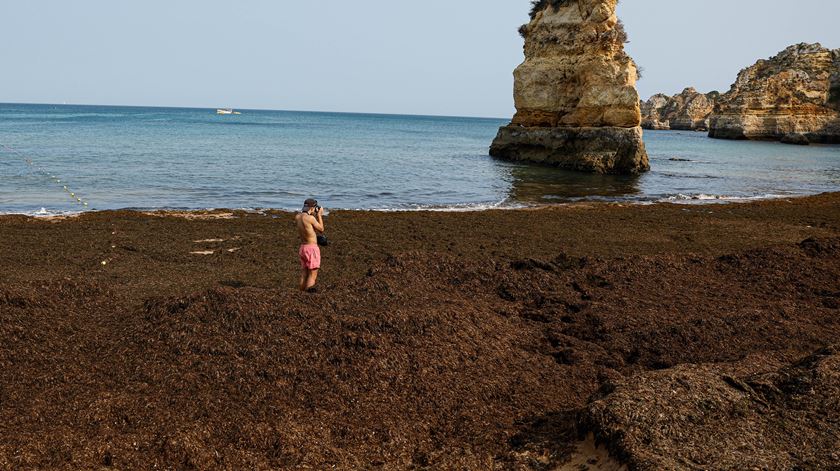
(309, 222)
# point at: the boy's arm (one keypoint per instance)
(318, 222)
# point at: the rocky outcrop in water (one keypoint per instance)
(793, 97)
(689, 110)
(575, 94)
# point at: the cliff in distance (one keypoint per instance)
(793, 97)
(575, 93)
(689, 110)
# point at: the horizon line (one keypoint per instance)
(255, 109)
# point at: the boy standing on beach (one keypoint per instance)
(308, 221)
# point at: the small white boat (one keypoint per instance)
(226, 111)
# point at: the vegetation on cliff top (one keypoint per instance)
(617, 35)
(540, 5)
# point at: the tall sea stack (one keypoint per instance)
(576, 101)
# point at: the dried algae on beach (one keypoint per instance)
(681, 337)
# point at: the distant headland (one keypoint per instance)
(793, 97)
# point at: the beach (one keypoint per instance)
(436, 339)
(543, 238)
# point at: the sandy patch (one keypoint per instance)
(591, 457)
(57, 217)
(190, 214)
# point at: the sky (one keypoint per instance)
(436, 57)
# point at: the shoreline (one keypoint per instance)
(698, 200)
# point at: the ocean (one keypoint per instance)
(175, 158)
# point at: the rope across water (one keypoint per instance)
(77, 199)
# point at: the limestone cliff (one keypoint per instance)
(793, 97)
(575, 94)
(653, 112)
(689, 110)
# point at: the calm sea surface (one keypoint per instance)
(131, 157)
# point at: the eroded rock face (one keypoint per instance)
(791, 96)
(689, 110)
(575, 94)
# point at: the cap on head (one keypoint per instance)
(309, 203)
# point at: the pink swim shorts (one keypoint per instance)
(310, 256)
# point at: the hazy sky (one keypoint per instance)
(444, 57)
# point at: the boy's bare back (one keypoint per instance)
(306, 230)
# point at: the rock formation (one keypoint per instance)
(653, 112)
(575, 94)
(689, 110)
(793, 97)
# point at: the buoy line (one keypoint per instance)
(66, 188)
(54, 178)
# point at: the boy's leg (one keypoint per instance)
(304, 276)
(311, 278)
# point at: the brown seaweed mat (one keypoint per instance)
(426, 360)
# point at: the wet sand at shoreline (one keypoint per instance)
(457, 340)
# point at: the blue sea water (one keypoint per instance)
(149, 158)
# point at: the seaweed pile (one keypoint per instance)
(713, 417)
(430, 361)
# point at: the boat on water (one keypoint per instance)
(226, 111)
